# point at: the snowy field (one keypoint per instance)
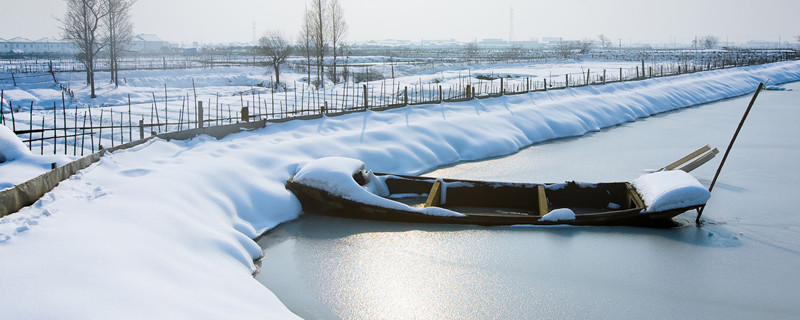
(168, 94)
(165, 229)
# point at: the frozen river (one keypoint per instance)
(740, 264)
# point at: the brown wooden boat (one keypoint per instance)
(342, 187)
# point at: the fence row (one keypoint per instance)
(87, 130)
(187, 61)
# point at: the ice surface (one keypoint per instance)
(666, 190)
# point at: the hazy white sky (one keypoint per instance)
(664, 21)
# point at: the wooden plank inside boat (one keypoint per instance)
(542, 200)
(435, 196)
(633, 201)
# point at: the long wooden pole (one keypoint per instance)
(730, 145)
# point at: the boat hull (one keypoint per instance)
(481, 195)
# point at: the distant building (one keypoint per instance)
(493, 43)
(21, 45)
(526, 44)
(551, 39)
(148, 43)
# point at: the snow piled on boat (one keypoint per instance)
(667, 190)
(561, 214)
(335, 176)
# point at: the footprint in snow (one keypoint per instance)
(134, 172)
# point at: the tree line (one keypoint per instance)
(94, 25)
(322, 34)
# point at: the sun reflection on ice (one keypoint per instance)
(401, 273)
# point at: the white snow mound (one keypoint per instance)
(559, 215)
(11, 147)
(668, 190)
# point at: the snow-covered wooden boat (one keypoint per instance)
(343, 187)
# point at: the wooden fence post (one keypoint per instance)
(587, 76)
(501, 86)
(405, 95)
(199, 114)
(141, 128)
(366, 101)
(245, 114)
(643, 70)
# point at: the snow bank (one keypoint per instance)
(335, 175)
(164, 229)
(11, 147)
(18, 164)
(668, 190)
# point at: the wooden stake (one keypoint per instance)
(100, 135)
(130, 130)
(64, 114)
(730, 145)
(41, 143)
(75, 141)
(30, 128)
(155, 107)
(83, 133)
(55, 128)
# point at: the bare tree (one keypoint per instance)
(707, 42)
(319, 36)
(605, 42)
(564, 49)
(118, 33)
(304, 41)
(585, 45)
(275, 46)
(344, 51)
(471, 51)
(338, 29)
(80, 27)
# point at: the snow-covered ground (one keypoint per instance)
(164, 229)
(167, 95)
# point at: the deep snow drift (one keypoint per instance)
(18, 164)
(164, 229)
